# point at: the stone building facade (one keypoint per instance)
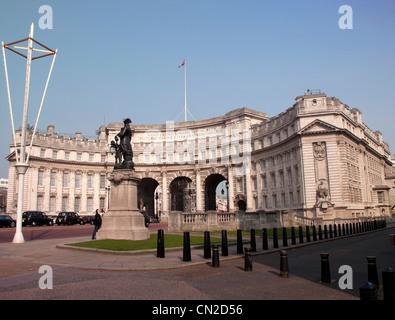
(316, 159)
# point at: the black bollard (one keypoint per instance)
(301, 234)
(308, 234)
(275, 238)
(335, 230)
(239, 242)
(293, 236)
(247, 259)
(314, 233)
(285, 237)
(186, 254)
(330, 232)
(325, 231)
(160, 248)
(388, 284)
(224, 242)
(265, 245)
(340, 230)
(319, 232)
(343, 229)
(373, 277)
(368, 292)
(325, 270)
(207, 245)
(215, 259)
(252, 240)
(354, 229)
(347, 229)
(284, 272)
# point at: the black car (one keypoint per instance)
(88, 219)
(6, 221)
(69, 218)
(35, 218)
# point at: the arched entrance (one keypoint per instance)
(240, 202)
(182, 195)
(210, 195)
(146, 195)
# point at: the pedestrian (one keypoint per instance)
(103, 211)
(97, 223)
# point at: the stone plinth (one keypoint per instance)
(123, 220)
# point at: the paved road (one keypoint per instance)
(202, 282)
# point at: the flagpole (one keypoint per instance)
(185, 80)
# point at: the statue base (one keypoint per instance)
(123, 221)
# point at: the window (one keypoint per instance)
(78, 180)
(39, 206)
(67, 156)
(42, 153)
(65, 179)
(264, 181)
(64, 203)
(53, 178)
(40, 178)
(79, 156)
(380, 196)
(89, 205)
(91, 157)
(51, 204)
(273, 178)
(255, 184)
(102, 158)
(77, 201)
(274, 200)
(102, 181)
(102, 202)
(90, 181)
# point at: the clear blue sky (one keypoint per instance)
(120, 59)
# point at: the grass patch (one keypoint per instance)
(171, 241)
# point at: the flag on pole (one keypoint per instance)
(182, 64)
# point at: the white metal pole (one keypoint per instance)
(9, 102)
(185, 80)
(22, 166)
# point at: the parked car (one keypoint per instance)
(7, 221)
(153, 219)
(88, 219)
(35, 218)
(69, 218)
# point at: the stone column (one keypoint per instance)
(231, 188)
(199, 207)
(165, 204)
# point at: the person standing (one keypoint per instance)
(97, 223)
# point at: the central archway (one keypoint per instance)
(182, 195)
(210, 195)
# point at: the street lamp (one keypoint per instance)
(227, 196)
(22, 161)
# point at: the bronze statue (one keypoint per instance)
(124, 148)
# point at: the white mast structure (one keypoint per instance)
(22, 162)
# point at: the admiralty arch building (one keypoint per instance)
(315, 159)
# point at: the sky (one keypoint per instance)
(119, 59)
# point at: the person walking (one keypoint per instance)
(97, 223)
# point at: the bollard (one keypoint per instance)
(224, 242)
(343, 229)
(334, 231)
(373, 277)
(325, 231)
(284, 272)
(300, 234)
(265, 245)
(314, 233)
(285, 238)
(354, 229)
(293, 236)
(275, 238)
(247, 259)
(308, 234)
(325, 270)
(339, 229)
(388, 284)
(160, 248)
(239, 242)
(330, 232)
(319, 232)
(392, 239)
(252, 240)
(215, 259)
(207, 246)
(186, 254)
(368, 292)
(347, 229)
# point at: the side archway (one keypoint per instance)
(210, 186)
(146, 195)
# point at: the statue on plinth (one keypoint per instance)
(124, 150)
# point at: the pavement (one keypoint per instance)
(56, 252)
